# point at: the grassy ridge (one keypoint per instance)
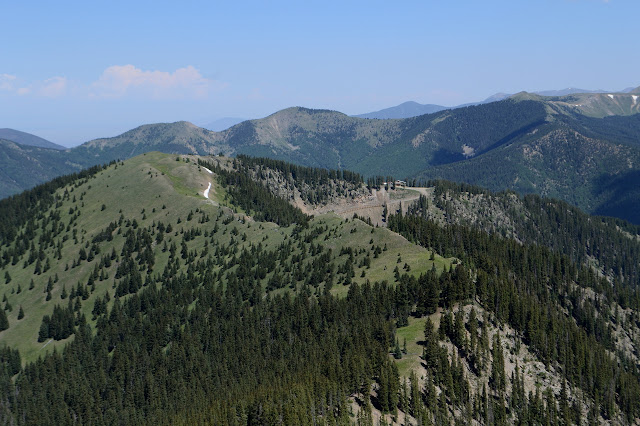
(155, 188)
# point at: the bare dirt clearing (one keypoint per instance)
(370, 206)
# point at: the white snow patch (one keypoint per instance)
(208, 171)
(468, 151)
(46, 344)
(611, 96)
(635, 99)
(206, 191)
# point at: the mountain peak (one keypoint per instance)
(525, 96)
(299, 111)
(404, 110)
(185, 124)
(24, 138)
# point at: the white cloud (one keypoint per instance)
(7, 82)
(53, 87)
(121, 80)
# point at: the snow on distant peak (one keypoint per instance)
(468, 151)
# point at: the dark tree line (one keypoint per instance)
(310, 175)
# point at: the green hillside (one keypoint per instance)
(180, 289)
(138, 195)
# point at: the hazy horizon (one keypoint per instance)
(81, 71)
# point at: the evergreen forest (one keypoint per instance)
(178, 289)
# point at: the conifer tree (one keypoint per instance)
(497, 379)
(397, 352)
(564, 403)
(431, 348)
(415, 402)
(4, 321)
(459, 333)
(473, 330)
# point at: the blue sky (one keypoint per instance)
(73, 71)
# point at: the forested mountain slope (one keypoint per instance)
(177, 289)
(582, 148)
(562, 162)
(24, 166)
(172, 138)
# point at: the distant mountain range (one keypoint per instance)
(24, 166)
(27, 139)
(404, 110)
(414, 109)
(583, 147)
